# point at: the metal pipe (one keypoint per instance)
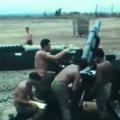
(90, 44)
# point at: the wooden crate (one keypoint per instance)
(80, 27)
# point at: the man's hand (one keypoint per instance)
(67, 50)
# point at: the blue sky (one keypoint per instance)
(40, 6)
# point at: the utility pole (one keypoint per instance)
(112, 9)
(96, 10)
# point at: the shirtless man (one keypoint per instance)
(22, 97)
(42, 57)
(102, 86)
(70, 74)
(28, 37)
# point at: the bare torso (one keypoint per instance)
(29, 36)
(40, 62)
(68, 74)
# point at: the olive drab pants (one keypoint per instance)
(61, 91)
(102, 98)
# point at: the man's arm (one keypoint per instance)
(22, 101)
(76, 82)
(55, 57)
(99, 79)
(19, 98)
(37, 100)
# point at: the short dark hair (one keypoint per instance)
(26, 27)
(34, 76)
(44, 42)
(99, 53)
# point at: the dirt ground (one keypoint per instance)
(8, 82)
(60, 32)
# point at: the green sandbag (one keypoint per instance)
(11, 48)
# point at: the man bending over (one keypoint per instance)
(68, 75)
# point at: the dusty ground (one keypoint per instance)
(8, 82)
(60, 32)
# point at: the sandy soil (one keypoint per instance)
(8, 82)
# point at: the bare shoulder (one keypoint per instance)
(108, 62)
(100, 67)
(41, 53)
(72, 67)
(76, 67)
(22, 85)
(103, 65)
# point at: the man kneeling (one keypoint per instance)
(23, 95)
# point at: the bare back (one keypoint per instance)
(28, 37)
(22, 92)
(68, 74)
(104, 72)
